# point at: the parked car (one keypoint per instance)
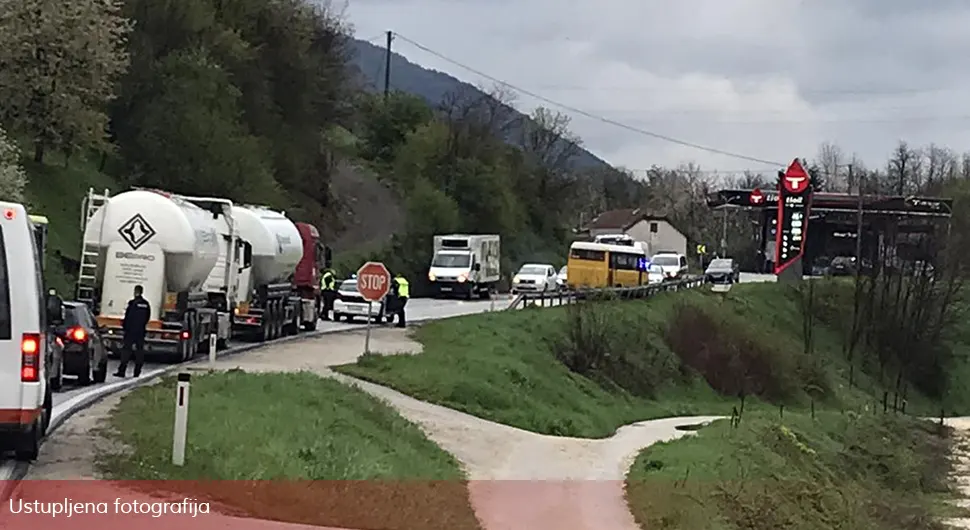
(85, 354)
(535, 278)
(350, 305)
(561, 277)
(723, 270)
(842, 266)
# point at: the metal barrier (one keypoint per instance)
(559, 298)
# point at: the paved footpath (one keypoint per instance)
(518, 479)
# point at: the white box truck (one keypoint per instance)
(465, 265)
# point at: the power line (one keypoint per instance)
(589, 115)
(871, 91)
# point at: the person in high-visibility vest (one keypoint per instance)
(402, 290)
(328, 293)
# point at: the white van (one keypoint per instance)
(26, 311)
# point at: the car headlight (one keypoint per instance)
(431, 277)
(515, 279)
(463, 277)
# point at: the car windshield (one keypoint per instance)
(720, 264)
(653, 267)
(72, 316)
(534, 270)
(666, 261)
(348, 285)
(451, 260)
(842, 260)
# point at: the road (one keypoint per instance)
(419, 309)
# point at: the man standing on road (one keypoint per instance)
(328, 293)
(402, 290)
(137, 315)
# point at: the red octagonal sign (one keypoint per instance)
(373, 281)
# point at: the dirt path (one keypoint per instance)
(519, 479)
(961, 468)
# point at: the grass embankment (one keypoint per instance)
(56, 189)
(350, 460)
(585, 372)
(837, 471)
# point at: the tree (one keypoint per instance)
(13, 180)
(59, 62)
(189, 137)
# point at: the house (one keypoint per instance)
(657, 232)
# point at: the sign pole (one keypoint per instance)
(370, 313)
(181, 419)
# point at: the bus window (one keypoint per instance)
(624, 261)
(587, 255)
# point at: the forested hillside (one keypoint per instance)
(273, 102)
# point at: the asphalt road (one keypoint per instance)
(417, 310)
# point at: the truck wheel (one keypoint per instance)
(264, 326)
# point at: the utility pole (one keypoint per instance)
(724, 220)
(858, 224)
(387, 64)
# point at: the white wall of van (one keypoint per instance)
(24, 393)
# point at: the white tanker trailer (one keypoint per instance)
(279, 293)
(167, 245)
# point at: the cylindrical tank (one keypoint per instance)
(185, 233)
(277, 245)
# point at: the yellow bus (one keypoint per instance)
(604, 265)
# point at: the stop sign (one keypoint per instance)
(373, 281)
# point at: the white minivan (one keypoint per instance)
(26, 311)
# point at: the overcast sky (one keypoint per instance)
(770, 79)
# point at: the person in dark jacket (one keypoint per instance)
(328, 293)
(137, 315)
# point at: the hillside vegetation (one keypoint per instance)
(258, 102)
(586, 369)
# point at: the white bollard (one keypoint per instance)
(181, 419)
(213, 343)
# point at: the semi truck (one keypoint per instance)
(279, 294)
(207, 266)
(465, 265)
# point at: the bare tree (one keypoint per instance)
(831, 161)
(545, 137)
(904, 168)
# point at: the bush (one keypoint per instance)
(736, 362)
(614, 347)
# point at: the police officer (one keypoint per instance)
(402, 290)
(328, 293)
(137, 315)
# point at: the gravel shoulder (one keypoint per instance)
(518, 479)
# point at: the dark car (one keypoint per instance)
(842, 266)
(84, 355)
(723, 270)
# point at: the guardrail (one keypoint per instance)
(558, 298)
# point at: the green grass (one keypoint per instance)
(836, 471)
(56, 191)
(502, 367)
(297, 427)
(499, 366)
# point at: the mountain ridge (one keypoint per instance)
(434, 86)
